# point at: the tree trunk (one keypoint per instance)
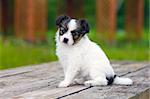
(134, 19)
(106, 19)
(73, 8)
(30, 21)
(4, 17)
(17, 18)
(40, 18)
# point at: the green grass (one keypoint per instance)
(123, 49)
(15, 53)
(19, 54)
(128, 52)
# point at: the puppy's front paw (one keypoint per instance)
(63, 84)
(88, 83)
(79, 81)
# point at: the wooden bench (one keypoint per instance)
(40, 82)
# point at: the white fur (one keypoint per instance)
(123, 81)
(85, 58)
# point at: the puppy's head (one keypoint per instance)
(71, 30)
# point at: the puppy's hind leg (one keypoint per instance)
(96, 78)
(96, 82)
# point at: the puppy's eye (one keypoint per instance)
(61, 33)
(62, 30)
(74, 33)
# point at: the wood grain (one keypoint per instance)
(40, 82)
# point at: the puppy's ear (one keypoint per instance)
(61, 18)
(84, 26)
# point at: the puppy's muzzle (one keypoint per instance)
(65, 40)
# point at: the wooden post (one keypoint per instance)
(40, 17)
(20, 18)
(17, 18)
(112, 14)
(106, 19)
(4, 20)
(73, 8)
(140, 15)
(69, 4)
(134, 19)
(30, 20)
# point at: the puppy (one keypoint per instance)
(80, 57)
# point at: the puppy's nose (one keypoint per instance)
(65, 40)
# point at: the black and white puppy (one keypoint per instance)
(79, 56)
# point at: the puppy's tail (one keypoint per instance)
(122, 81)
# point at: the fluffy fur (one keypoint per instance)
(83, 61)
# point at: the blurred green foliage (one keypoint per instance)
(52, 13)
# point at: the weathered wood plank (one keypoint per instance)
(21, 83)
(39, 72)
(22, 70)
(46, 79)
(42, 72)
(141, 85)
(51, 93)
(123, 69)
(30, 68)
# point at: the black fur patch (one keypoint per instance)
(63, 30)
(63, 20)
(82, 29)
(110, 79)
(84, 26)
(76, 35)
